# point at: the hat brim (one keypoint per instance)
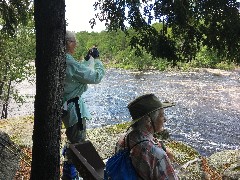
(167, 104)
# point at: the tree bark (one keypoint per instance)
(2, 81)
(50, 71)
(6, 101)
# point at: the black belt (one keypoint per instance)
(75, 101)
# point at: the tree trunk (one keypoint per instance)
(6, 101)
(2, 95)
(2, 81)
(50, 71)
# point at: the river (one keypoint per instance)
(206, 115)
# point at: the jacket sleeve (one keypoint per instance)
(163, 168)
(87, 75)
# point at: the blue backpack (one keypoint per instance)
(119, 166)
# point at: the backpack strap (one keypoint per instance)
(128, 145)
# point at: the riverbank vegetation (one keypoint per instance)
(116, 51)
(185, 32)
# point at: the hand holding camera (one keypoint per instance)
(92, 52)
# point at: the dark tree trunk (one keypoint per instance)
(50, 71)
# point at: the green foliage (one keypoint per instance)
(16, 57)
(225, 66)
(161, 64)
(129, 59)
(116, 51)
(184, 66)
(206, 59)
(13, 13)
(185, 27)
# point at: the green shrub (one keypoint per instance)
(161, 64)
(205, 58)
(225, 66)
(185, 66)
(127, 59)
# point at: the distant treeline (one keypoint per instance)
(116, 51)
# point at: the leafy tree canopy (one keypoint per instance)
(12, 13)
(211, 23)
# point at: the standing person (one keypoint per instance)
(78, 76)
(150, 158)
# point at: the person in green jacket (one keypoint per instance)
(78, 75)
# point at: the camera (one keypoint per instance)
(92, 52)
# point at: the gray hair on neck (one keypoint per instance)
(146, 119)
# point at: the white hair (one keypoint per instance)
(154, 115)
(70, 36)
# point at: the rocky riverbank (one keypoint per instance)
(188, 162)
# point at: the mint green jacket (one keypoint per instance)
(78, 75)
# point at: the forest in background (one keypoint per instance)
(116, 51)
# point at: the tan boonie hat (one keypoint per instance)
(146, 104)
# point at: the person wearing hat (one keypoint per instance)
(149, 158)
(78, 75)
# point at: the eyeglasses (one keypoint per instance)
(69, 40)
